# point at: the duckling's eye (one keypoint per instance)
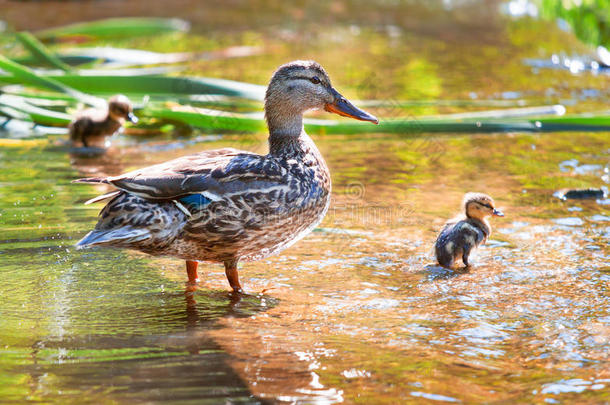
(315, 80)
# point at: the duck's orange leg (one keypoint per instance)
(232, 276)
(191, 271)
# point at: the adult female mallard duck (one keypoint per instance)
(467, 231)
(91, 127)
(228, 205)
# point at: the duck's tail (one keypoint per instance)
(125, 235)
(128, 221)
(102, 180)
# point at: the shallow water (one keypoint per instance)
(355, 312)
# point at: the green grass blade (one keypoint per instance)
(24, 75)
(505, 113)
(206, 118)
(119, 57)
(588, 119)
(116, 27)
(40, 52)
(13, 113)
(219, 120)
(414, 127)
(36, 114)
(43, 95)
(69, 60)
(153, 85)
(122, 57)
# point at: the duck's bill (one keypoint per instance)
(343, 107)
(132, 118)
(498, 213)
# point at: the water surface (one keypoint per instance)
(357, 311)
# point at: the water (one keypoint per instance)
(357, 311)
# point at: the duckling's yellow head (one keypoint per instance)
(479, 206)
(304, 85)
(120, 109)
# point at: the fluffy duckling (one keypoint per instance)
(91, 127)
(466, 231)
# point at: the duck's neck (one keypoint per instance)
(110, 121)
(482, 223)
(297, 147)
(286, 134)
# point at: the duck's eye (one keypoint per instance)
(315, 80)
(484, 205)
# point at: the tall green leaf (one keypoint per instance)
(116, 27)
(24, 75)
(150, 85)
(220, 120)
(36, 114)
(40, 52)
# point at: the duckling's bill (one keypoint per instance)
(498, 213)
(344, 108)
(132, 118)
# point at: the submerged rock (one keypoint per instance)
(581, 194)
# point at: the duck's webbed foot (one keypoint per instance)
(233, 276)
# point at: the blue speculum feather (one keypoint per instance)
(195, 200)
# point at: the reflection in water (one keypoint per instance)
(96, 162)
(119, 335)
(436, 272)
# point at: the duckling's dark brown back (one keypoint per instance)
(78, 128)
(457, 239)
(91, 128)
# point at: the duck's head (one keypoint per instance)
(304, 85)
(120, 109)
(479, 206)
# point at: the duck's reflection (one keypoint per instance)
(436, 272)
(96, 162)
(173, 358)
(195, 319)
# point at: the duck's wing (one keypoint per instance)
(211, 173)
(473, 231)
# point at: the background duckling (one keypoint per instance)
(91, 127)
(466, 231)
